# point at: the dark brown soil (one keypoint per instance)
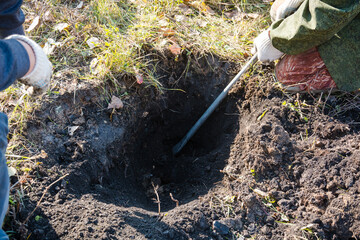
(245, 174)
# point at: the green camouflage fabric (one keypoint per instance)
(333, 26)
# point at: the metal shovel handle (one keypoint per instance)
(177, 148)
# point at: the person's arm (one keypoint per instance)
(11, 18)
(315, 22)
(14, 62)
(22, 58)
(32, 58)
(40, 68)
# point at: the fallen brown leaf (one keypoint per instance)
(167, 32)
(115, 103)
(139, 78)
(238, 16)
(185, 9)
(33, 24)
(200, 5)
(72, 129)
(175, 49)
(61, 26)
(48, 16)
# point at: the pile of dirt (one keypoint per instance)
(257, 169)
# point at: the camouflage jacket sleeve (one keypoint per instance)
(314, 23)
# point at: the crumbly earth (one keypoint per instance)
(257, 169)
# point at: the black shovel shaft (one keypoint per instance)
(177, 148)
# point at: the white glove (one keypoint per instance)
(286, 8)
(41, 74)
(264, 48)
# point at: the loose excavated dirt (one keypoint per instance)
(257, 169)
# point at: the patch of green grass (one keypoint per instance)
(123, 28)
(297, 108)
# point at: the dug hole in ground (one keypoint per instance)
(258, 168)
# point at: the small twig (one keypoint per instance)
(318, 102)
(176, 201)
(21, 185)
(75, 93)
(45, 191)
(157, 198)
(327, 98)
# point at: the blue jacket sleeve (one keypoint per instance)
(14, 62)
(4, 177)
(11, 18)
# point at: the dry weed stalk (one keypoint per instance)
(175, 200)
(157, 200)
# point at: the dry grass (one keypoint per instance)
(122, 28)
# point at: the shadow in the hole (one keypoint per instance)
(143, 158)
(187, 176)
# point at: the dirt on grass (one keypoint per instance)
(265, 165)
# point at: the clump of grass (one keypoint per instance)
(225, 203)
(160, 24)
(220, 27)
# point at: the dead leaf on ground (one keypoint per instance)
(231, 14)
(33, 24)
(253, 15)
(50, 45)
(30, 90)
(115, 103)
(93, 42)
(48, 17)
(80, 5)
(138, 2)
(184, 9)
(238, 16)
(61, 26)
(139, 78)
(200, 5)
(94, 62)
(175, 49)
(72, 129)
(180, 18)
(163, 23)
(167, 32)
(202, 23)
